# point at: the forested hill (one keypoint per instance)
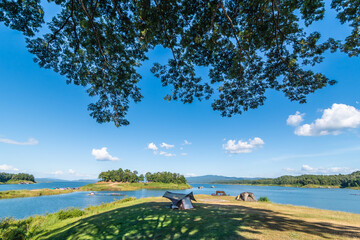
(343, 181)
(16, 178)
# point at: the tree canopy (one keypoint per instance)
(126, 175)
(5, 177)
(249, 46)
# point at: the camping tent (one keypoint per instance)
(180, 200)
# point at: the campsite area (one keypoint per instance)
(212, 218)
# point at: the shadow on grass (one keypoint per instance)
(208, 221)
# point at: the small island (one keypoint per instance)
(19, 178)
(126, 180)
(305, 181)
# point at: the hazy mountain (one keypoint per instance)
(213, 178)
(46, 180)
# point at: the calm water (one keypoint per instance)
(6, 187)
(332, 199)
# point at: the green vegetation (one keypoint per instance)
(165, 177)
(344, 181)
(212, 218)
(121, 176)
(70, 213)
(263, 199)
(132, 177)
(113, 186)
(33, 193)
(11, 178)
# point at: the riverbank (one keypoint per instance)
(33, 193)
(115, 186)
(17, 182)
(288, 185)
(100, 186)
(212, 218)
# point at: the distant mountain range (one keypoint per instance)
(47, 180)
(214, 178)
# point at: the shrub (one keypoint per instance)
(12, 229)
(264, 199)
(129, 199)
(70, 213)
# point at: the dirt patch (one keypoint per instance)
(213, 200)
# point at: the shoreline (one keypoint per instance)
(19, 182)
(11, 194)
(289, 185)
(115, 186)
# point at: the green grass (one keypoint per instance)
(114, 186)
(212, 218)
(32, 193)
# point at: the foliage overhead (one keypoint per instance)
(248, 47)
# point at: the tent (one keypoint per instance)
(180, 200)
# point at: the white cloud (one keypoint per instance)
(30, 141)
(184, 154)
(296, 119)
(334, 121)
(59, 172)
(103, 155)
(289, 169)
(5, 167)
(331, 170)
(306, 169)
(71, 171)
(190, 175)
(167, 154)
(152, 146)
(167, 146)
(186, 142)
(243, 146)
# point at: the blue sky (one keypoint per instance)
(45, 128)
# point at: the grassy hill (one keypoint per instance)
(212, 218)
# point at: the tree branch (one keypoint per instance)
(168, 38)
(95, 30)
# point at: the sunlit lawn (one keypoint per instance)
(213, 218)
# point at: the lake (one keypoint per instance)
(347, 200)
